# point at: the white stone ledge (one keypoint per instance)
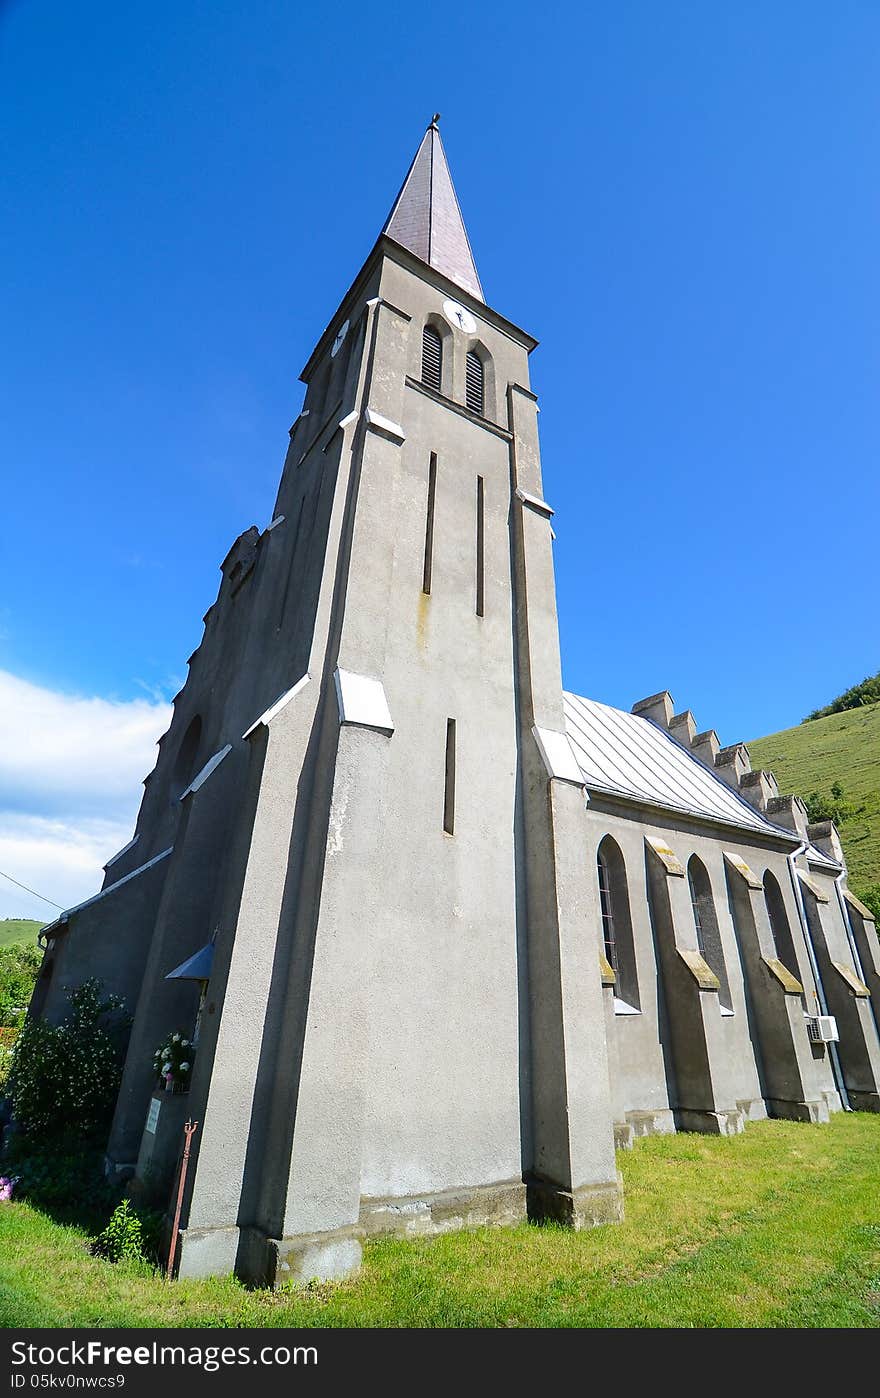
(362, 701)
(384, 426)
(210, 766)
(558, 755)
(535, 502)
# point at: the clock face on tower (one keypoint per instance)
(337, 343)
(459, 316)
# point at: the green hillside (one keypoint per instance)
(18, 929)
(844, 748)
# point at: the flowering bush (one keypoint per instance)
(173, 1061)
(64, 1078)
(6, 1186)
(7, 1042)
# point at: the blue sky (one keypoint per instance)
(680, 200)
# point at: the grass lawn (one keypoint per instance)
(777, 1227)
(18, 929)
(842, 747)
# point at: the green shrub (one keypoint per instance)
(19, 965)
(868, 692)
(123, 1238)
(64, 1078)
(66, 1181)
(7, 1043)
(834, 807)
(870, 896)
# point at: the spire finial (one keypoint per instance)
(435, 119)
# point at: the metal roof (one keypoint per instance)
(818, 856)
(628, 755)
(427, 220)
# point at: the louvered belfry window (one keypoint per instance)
(432, 357)
(474, 382)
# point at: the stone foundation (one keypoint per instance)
(587, 1207)
(446, 1211)
(647, 1123)
(321, 1257)
(331, 1255)
(710, 1123)
(798, 1111)
(864, 1101)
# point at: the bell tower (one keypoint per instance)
(404, 1024)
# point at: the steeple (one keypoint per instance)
(426, 217)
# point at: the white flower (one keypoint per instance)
(166, 1067)
(184, 1043)
(184, 1067)
(174, 1038)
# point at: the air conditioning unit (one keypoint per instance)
(822, 1029)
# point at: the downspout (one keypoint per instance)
(847, 925)
(850, 937)
(836, 1070)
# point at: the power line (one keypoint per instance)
(32, 891)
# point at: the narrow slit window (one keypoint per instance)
(780, 927)
(707, 930)
(617, 929)
(473, 393)
(481, 568)
(429, 524)
(432, 357)
(608, 934)
(449, 790)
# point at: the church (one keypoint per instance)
(440, 936)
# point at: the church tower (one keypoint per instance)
(403, 1026)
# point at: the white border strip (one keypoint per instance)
(210, 766)
(125, 848)
(105, 891)
(273, 709)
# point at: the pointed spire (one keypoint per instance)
(426, 217)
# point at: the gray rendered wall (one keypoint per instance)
(647, 1089)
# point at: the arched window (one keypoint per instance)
(474, 393)
(617, 933)
(185, 762)
(706, 923)
(779, 925)
(432, 358)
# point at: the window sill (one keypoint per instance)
(459, 408)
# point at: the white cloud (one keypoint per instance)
(70, 784)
